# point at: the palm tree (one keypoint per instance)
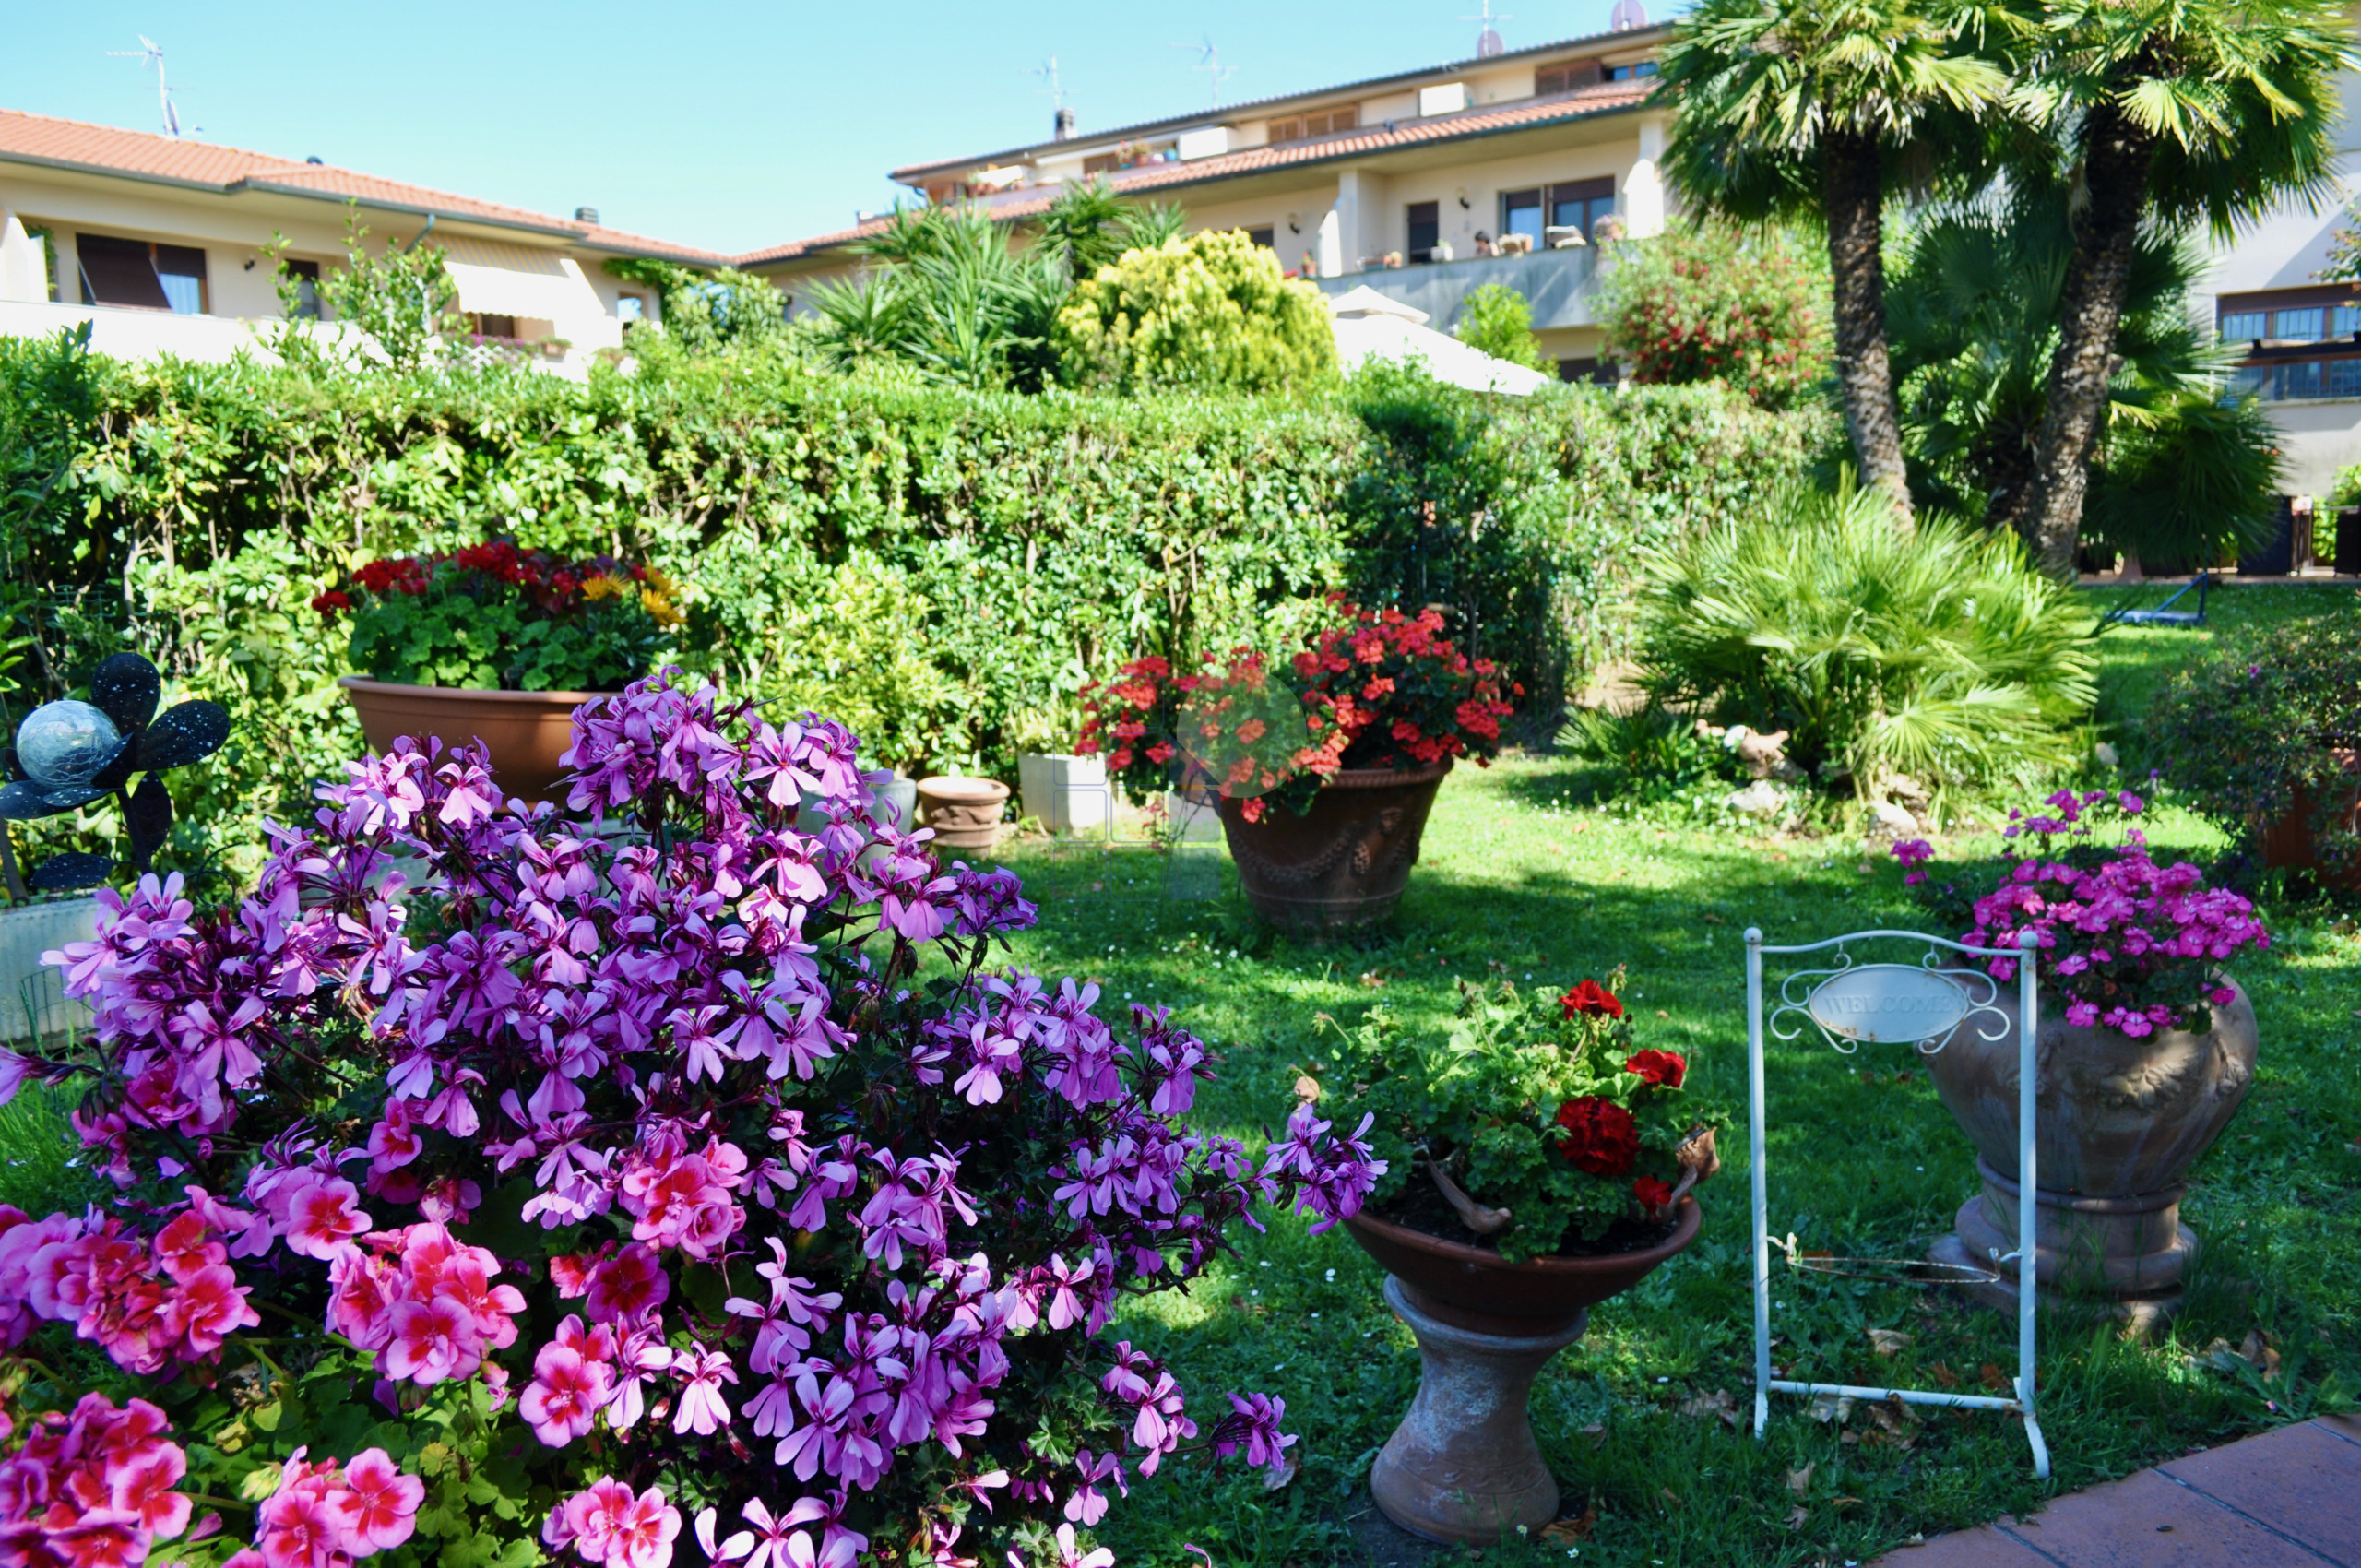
(2169, 111)
(1804, 107)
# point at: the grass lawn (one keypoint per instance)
(1523, 878)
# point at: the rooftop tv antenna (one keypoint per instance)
(1060, 117)
(148, 51)
(1209, 61)
(1488, 40)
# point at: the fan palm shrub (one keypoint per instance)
(946, 296)
(1939, 654)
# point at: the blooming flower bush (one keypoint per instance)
(492, 617)
(500, 1182)
(2125, 943)
(1537, 1104)
(1378, 689)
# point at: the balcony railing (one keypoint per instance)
(1557, 284)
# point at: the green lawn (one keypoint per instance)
(2136, 659)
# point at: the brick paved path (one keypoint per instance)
(2287, 1498)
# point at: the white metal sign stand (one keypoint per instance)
(1925, 1004)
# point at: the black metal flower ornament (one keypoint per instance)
(69, 754)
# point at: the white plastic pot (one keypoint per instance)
(33, 1005)
(1066, 795)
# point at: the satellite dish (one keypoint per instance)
(1629, 14)
(1488, 43)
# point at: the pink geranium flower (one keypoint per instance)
(377, 1510)
(565, 1394)
(323, 1218)
(432, 1341)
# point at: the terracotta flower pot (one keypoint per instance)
(1463, 1466)
(2117, 1124)
(2290, 843)
(1347, 860)
(964, 811)
(527, 731)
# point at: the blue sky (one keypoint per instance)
(718, 125)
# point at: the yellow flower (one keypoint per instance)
(658, 607)
(598, 588)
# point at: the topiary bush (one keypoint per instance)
(1212, 311)
(495, 1187)
(1941, 654)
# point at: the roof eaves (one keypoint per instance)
(75, 166)
(420, 209)
(1638, 36)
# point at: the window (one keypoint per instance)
(2348, 320)
(2301, 379)
(2344, 378)
(1579, 204)
(1521, 214)
(1426, 230)
(2244, 324)
(1303, 127)
(1564, 77)
(141, 273)
(1598, 373)
(484, 325)
(1263, 237)
(630, 307)
(305, 276)
(1630, 73)
(2300, 326)
(2254, 378)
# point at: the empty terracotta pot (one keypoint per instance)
(964, 811)
(525, 732)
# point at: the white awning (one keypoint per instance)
(498, 279)
(1360, 338)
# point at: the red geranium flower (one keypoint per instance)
(1592, 999)
(1653, 1195)
(1666, 1068)
(1601, 1137)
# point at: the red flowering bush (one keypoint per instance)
(1380, 690)
(1536, 1103)
(610, 1183)
(492, 617)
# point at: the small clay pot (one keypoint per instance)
(1347, 860)
(964, 811)
(525, 732)
(1462, 1468)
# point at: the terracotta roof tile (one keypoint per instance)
(110, 150)
(1007, 206)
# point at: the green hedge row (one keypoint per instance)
(943, 568)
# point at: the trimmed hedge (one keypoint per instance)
(953, 563)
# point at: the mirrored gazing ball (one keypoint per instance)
(65, 743)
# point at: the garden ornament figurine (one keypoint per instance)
(71, 754)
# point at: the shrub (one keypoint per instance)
(2270, 721)
(1210, 312)
(1498, 320)
(1714, 302)
(615, 1169)
(496, 618)
(1941, 655)
(1541, 1108)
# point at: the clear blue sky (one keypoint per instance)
(718, 125)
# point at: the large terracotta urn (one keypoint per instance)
(525, 732)
(2118, 1121)
(1347, 860)
(1462, 1468)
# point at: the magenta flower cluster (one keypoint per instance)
(93, 1490)
(2127, 943)
(691, 1124)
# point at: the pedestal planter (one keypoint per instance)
(1463, 1466)
(964, 811)
(1344, 862)
(527, 731)
(2119, 1123)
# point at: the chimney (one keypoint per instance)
(585, 215)
(1064, 125)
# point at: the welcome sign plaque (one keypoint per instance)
(1889, 1003)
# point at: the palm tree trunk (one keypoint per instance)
(2116, 156)
(1853, 189)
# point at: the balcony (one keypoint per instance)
(1558, 285)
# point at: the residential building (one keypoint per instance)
(1408, 184)
(159, 243)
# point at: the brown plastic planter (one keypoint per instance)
(525, 732)
(1344, 861)
(2289, 842)
(964, 811)
(1463, 1466)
